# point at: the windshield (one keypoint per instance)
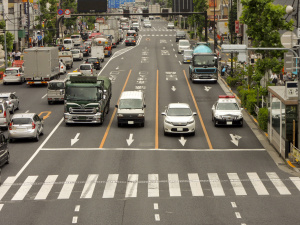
(188, 53)
(179, 112)
(85, 67)
(172, 24)
(67, 42)
(79, 93)
(56, 85)
(184, 43)
(92, 60)
(4, 97)
(204, 60)
(75, 51)
(131, 104)
(11, 72)
(227, 106)
(180, 33)
(21, 121)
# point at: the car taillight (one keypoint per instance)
(33, 125)
(18, 75)
(4, 75)
(10, 126)
(62, 67)
(133, 41)
(126, 41)
(91, 71)
(4, 113)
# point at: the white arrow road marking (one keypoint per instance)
(173, 88)
(207, 88)
(75, 139)
(130, 140)
(182, 140)
(117, 68)
(235, 139)
(44, 96)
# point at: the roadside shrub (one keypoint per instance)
(192, 34)
(175, 23)
(263, 119)
(250, 103)
(232, 81)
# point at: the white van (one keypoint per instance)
(68, 44)
(183, 45)
(77, 39)
(131, 108)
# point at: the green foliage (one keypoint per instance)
(251, 100)
(232, 17)
(175, 23)
(263, 119)
(9, 38)
(192, 33)
(232, 81)
(72, 5)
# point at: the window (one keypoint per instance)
(21, 121)
(179, 112)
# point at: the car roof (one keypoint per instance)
(132, 95)
(84, 64)
(12, 68)
(178, 105)
(23, 115)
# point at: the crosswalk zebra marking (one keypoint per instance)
(23, 190)
(6, 186)
(89, 186)
(195, 184)
(174, 186)
(215, 184)
(296, 182)
(236, 184)
(153, 185)
(279, 185)
(46, 187)
(68, 186)
(257, 184)
(132, 184)
(110, 186)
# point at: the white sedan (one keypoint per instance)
(179, 118)
(77, 54)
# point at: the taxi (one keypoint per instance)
(226, 111)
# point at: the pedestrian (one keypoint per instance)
(18, 55)
(210, 29)
(274, 78)
(223, 70)
(13, 55)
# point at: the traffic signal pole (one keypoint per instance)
(28, 23)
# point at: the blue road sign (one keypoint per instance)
(39, 37)
(60, 12)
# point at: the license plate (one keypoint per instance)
(130, 122)
(229, 122)
(179, 129)
(82, 117)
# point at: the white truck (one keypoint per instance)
(98, 51)
(115, 36)
(67, 58)
(41, 65)
(222, 28)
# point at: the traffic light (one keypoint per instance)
(126, 13)
(145, 12)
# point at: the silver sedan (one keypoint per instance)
(12, 101)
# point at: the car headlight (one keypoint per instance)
(190, 121)
(120, 115)
(168, 121)
(240, 116)
(218, 116)
(140, 115)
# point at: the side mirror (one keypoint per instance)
(116, 106)
(194, 114)
(144, 106)
(163, 113)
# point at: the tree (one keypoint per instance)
(72, 5)
(9, 38)
(198, 20)
(264, 20)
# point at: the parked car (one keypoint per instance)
(13, 75)
(62, 67)
(179, 119)
(12, 101)
(77, 54)
(4, 114)
(25, 125)
(95, 61)
(4, 152)
(87, 69)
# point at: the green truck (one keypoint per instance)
(87, 99)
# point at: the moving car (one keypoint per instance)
(151, 17)
(88, 44)
(87, 69)
(84, 50)
(95, 61)
(187, 55)
(4, 152)
(25, 125)
(77, 39)
(56, 91)
(183, 45)
(13, 74)
(77, 54)
(226, 111)
(12, 101)
(180, 35)
(4, 114)
(179, 119)
(135, 26)
(147, 25)
(170, 25)
(125, 27)
(130, 40)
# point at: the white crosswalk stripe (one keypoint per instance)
(46, 188)
(197, 187)
(257, 184)
(23, 190)
(66, 190)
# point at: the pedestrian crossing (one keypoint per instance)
(158, 29)
(147, 185)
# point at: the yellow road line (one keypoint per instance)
(113, 115)
(156, 119)
(198, 112)
(288, 161)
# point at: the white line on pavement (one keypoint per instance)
(44, 96)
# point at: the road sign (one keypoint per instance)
(60, 12)
(288, 39)
(233, 48)
(39, 37)
(67, 13)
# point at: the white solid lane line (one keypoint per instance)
(44, 96)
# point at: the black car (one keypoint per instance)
(180, 35)
(88, 45)
(84, 50)
(4, 153)
(130, 40)
(95, 61)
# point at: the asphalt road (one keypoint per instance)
(222, 175)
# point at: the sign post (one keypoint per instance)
(67, 13)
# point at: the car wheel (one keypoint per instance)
(215, 123)
(193, 133)
(11, 140)
(4, 83)
(119, 125)
(165, 133)
(42, 132)
(241, 125)
(142, 124)
(18, 106)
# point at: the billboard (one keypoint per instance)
(85, 6)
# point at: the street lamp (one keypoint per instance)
(289, 9)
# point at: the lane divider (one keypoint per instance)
(114, 113)
(198, 112)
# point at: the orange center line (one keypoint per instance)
(113, 115)
(198, 112)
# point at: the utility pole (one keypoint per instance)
(215, 42)
(28, 23)
(4, 30)
(231, 42)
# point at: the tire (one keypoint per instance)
(42, 132)
(11, 140)
(142, 124)
(119, 125)
(165, 133)
(18, 106)
(215, 123)
(193, 133)
(242, 123)
(4, 83)
(49, 103)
